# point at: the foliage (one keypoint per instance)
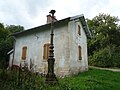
(14, 29)
(106, 57)
(92, 80)
(106, 33)
(116, 57)
(6, 40)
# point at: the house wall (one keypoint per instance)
(35, 43)
(76, 40)
(62, 50)
(66, 42)
(10, 59)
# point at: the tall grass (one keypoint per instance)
(92, 80)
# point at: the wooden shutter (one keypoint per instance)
(24, 51)
(46, 51)
(79, 30)
(80, 52)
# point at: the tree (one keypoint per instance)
(106, 33)
(14, 29)
(6, 41)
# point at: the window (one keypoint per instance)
(80, 52)
(79, 30)
(24, 51)
(46, 51)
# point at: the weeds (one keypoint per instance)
(92, 80)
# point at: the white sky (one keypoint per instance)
(32, 13)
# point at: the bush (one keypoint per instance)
(106, 57)
(116, 57)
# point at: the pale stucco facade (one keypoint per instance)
(66, 42)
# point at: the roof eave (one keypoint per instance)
(85, 27)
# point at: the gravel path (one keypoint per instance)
(114, 70)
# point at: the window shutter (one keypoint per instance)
(79, 30)
(80, 52)
(46, 51)
(24, 51)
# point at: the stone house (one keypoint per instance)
(70, 46)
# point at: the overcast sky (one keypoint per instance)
(32, 13)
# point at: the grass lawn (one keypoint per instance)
(94, 79)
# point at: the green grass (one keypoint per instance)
(93, 79)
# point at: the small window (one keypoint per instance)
(79, 30)
(46, 51)
(24, 52)
(80, 52)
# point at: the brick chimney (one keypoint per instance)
(49, 19)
